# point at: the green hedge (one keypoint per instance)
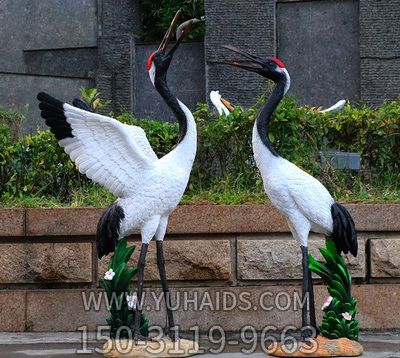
(224, 168)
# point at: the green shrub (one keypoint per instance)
(158, 14)
(224, 170)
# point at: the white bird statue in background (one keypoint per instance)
(223, 106)
(119, 157)
(301, 198)
(339, 105)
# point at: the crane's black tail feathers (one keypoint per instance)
(344, 232)
(108, 227)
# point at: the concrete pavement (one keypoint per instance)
(63, 345)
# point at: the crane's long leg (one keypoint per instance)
(313, 321)
(141, 264)
(163, 275)
(305, 287)
(308, 298)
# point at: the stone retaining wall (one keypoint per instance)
(48, 261)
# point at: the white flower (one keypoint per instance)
(327, 302)
(109, 275)
(131, 300)
(346, 316)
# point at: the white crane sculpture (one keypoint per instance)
(119, 157)
(301, 198)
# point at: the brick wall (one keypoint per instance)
(48, 261)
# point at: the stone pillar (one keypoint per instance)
(118, 25)
(379, 50)
(248, 25)
(115, 74)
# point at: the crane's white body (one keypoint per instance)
(119, 157)
(215, 98)
(301, 198)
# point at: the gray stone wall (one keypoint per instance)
(319, 43)
(46, 46)
(380, 50)
(333, 49)
(248, 25)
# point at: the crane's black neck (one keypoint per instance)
(162, 87)
(266, 113)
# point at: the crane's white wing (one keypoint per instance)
(110, 153)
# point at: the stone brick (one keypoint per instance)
(385, 258)
(206, 219)
(12, 222)
(278, 258)
(375, 217)
(12, 311)
(226, 219)
(62, 222)
(186, 260)
(64, 310)
(40, 263)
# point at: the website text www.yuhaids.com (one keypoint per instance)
(197, 301)
(247, 339)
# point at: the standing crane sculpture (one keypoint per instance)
(301, 198)
(119, 157)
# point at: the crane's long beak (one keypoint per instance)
(245, 64)
(170, 31)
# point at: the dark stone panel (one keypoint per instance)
(380, 28)
(318, 42)
(185, 78)
(380, 50)
(44, 24)
(21, 90)
(380, 80)
(115, 74)
(248, 25)
(120, 17)
(80, 62)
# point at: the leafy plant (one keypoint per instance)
(158, 14)
(340, 309)
(116, 283)
(92, 98)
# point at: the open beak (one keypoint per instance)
(227, 104)
(253, 63)
(170, 31)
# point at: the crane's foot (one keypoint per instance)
(137, 337)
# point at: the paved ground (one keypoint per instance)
(60, 345)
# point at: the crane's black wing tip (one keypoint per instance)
(81, 105)
(52, 110)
